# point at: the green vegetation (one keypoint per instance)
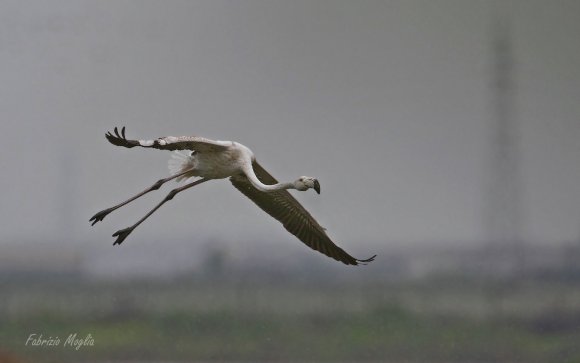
(193, 321)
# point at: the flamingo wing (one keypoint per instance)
(294, 217)
(197, 143)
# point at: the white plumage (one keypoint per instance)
(180, 162)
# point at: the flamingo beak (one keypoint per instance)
(317, 186)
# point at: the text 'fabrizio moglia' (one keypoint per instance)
(72, 341)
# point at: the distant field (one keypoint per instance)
(440, 320)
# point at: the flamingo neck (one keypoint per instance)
(249, 171)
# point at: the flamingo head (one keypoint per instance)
(306, 182)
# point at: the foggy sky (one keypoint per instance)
(387, 103)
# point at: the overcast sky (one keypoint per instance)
(387, 103)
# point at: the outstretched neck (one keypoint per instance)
(249, 171)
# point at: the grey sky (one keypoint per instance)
(386, 102)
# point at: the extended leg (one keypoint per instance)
(102, 214)
(123, 233)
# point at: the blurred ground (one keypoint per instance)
(435, 318)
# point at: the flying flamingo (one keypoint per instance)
(213, 159)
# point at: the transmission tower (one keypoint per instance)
(502, 209)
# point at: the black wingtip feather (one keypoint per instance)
(365, 262)
(119, 139)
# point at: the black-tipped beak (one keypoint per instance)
(317, 186)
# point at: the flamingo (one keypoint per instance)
(214, 159)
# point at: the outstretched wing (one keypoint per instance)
(196, 143)
(287, 210)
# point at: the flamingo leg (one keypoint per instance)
(102, 214)
(123, 233)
